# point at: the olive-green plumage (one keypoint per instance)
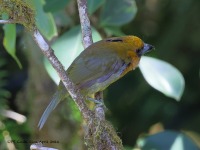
(100, 65)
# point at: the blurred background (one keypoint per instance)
(135, 109)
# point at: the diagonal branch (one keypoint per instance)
(74, 92)
(49, 53)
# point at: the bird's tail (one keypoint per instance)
(57, 97)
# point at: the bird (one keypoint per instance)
(98, 66)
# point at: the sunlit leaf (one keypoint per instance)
(118, 12)
(162, 76)
(178, 143)
(9, 41)
(67, 48)
(55, 5)
(93, 5)
(44, 21)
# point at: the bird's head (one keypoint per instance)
(138, 45)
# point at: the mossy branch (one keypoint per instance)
(18, 11)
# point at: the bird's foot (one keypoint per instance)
(98, 102)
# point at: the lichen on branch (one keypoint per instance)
(19, 11)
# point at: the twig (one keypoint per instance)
(87, 41)
(100, 133)
(85, 23)
(79, 99)
(49, 53)
(74, 92)
(7, 21)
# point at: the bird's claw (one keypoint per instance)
(98, 102)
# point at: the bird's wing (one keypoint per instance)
(86, 70)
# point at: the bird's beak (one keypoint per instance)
(147, 48)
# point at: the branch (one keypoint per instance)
(73, 91)
(85, 23)
(87, 41)
(79, 99)
(101, 134)
(7, 21)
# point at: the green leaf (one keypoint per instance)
(93, 5)
(44, 21)
(162, 76)
(62, 18)
(169, 140)
(3, 74)
(9, 41)
(118, 12)
(55, 5)
(2, 62)
(75, 115)
(4, 93)
(67, 48)
(113, 31)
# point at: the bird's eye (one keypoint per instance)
(138, 51)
